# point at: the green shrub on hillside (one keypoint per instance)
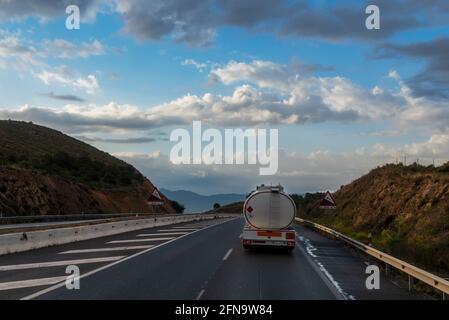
(79, 168)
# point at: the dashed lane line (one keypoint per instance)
(227, 254)
(58, 263)
(107, 249)
(140, 240)
(59, 285)
(161, 234)
(178, 230)
(200, 294)
(30, 283)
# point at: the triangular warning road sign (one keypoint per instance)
(328, 202)
(156, 194)
(155, 198)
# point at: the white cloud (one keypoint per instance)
(199, 66)
(62, 76)
(68, 50)
(16, 53)
(316, 171)
(435, 148)
(265, 74)
(152, 155)
(279, 95)
(327, 98)
(315, 98)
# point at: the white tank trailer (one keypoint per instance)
(269, 213)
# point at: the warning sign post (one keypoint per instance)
(328, 202)
(155, 198)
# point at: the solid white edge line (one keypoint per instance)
(57, 286)
(323, 277)
(227, 254)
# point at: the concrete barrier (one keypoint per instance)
(19, 242)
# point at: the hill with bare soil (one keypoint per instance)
(43, 171)
(404, 208)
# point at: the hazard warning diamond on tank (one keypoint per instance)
(250, 209)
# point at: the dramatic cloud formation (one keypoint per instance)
(434, 79)
(195, 22)
(402, 117)
(279, 95)
(46, 9)
(316, 171)
(189, 21)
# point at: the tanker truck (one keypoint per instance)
(269, 213)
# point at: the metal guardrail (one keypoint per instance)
(5, 220)
(412, 271)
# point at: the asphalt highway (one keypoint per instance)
(199, 260)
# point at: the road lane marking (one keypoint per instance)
(60, 285)
(200, 294)
(106, 249)
(161, 234)
(30, 283)
(140, 240)
(227, 254)
(187, 228)
(58, 263)
(338, 295)
(177, 230)
(180, 229)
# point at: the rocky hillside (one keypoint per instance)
(405, 208)
(43, 171)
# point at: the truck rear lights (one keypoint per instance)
(290, 235)
(269, 234)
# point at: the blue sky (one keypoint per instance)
(345, 99)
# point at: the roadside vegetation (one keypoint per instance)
(31, 147)
(402, 210)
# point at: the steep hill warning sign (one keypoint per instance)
(328, 202)
(155, 198)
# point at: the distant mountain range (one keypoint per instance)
(194, 202)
